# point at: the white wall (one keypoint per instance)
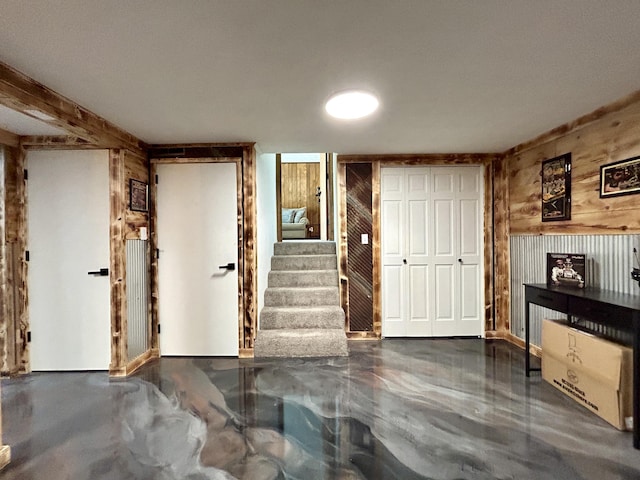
(266, 219)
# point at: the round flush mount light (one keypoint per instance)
(351, 104)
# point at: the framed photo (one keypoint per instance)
(620, 178)
(556, 188)
(566, 269)
(138, 195)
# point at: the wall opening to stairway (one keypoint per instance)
(305, 185)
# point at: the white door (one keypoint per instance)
(431, 220)
(68, 236)
(405, 265)
(197, 234)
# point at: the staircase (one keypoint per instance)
(302, 316)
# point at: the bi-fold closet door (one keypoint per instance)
(431, 248)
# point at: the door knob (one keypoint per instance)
(404, 260)
(459, 260)
(228, 266)
(103, 272)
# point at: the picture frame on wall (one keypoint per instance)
(556, 188)
(138, 196)
(620, 178)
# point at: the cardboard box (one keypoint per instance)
(594, 372)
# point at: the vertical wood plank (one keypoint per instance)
(249, 246)
(376, 241)
(279, 196)
(153, 245)
(329, 189)
(488, 246)
(501, 271)
(240, 253)
(117, 205)
(343, 257)
(21, 266)
(5, 320)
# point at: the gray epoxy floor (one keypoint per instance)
(405, 409)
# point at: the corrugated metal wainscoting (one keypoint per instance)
(137, 297)
(609, 260)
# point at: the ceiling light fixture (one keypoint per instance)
(351, 105)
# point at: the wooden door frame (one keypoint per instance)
(328, 191)
(247, 306)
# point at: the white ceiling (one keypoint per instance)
(21, 124)
(452, 76)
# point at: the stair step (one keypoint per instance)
(304, 248)
(303, 278)
(301, 296)
(272, 318)
(301, 343)
(304, 262)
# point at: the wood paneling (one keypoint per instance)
(500, 247)
(137, 168)
(6, 321)
(343, 251)
(300, 182)
(16, 324)
(249, 246)
(360, 256)
(9, 139)
(117, 267)
(603, 137)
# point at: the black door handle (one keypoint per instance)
(103, 272)
(228, 266)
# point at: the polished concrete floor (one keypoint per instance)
(396, 409)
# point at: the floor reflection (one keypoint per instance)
(406, 409)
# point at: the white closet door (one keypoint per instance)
(198, 233)
(431, 228)
(392, 251)
(416, 225)
(68, 228)
(470, 320)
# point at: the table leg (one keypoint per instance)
(527, 360)
(636, 380)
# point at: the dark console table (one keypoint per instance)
(612, 309)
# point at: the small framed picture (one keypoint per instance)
(566, 269)
(138, 196)
(620, 178)
(556, 188)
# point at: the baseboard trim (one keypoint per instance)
(245, 353)
(5, 456)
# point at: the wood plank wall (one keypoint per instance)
(495, 264)
(15, 354)
(299, 185)
(604, 136)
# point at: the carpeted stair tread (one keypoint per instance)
(304, 248)
(331, 316)
(311, 342)
(303, 278)
(304, 262)
(301, 296)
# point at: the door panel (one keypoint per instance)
(197, 233)
(68, 225)
(394, 324)
(469, 228)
